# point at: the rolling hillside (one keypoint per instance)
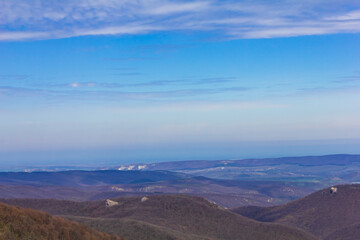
(26, 224)
(328, 213)
(176, 216)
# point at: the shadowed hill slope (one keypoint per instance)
(194, 217)
(27, 224)
(323, 213)
(348, 233)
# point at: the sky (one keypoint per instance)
(108, 82)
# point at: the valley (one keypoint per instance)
(193, 200)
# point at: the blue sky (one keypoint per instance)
(111, 82)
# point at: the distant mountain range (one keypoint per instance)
(346, 159)
(235, 183)
(330, 168)
(95, 185)
(85, 178)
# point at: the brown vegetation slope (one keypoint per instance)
(348, 233)
(26, 224)
(194, 217)
(323, 213)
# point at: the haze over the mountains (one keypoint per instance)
(261, 182)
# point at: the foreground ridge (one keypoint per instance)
(26, 224)
(165, 217)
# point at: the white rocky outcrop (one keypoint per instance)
(333, 190)
(144, 199)
(110, 203)
(117, 189)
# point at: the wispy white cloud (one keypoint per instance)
(47, 19)
(18, 35)
(77, 85)
(352, 15)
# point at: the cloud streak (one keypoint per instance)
(43, 19)
(75, 90)
(348, 79)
